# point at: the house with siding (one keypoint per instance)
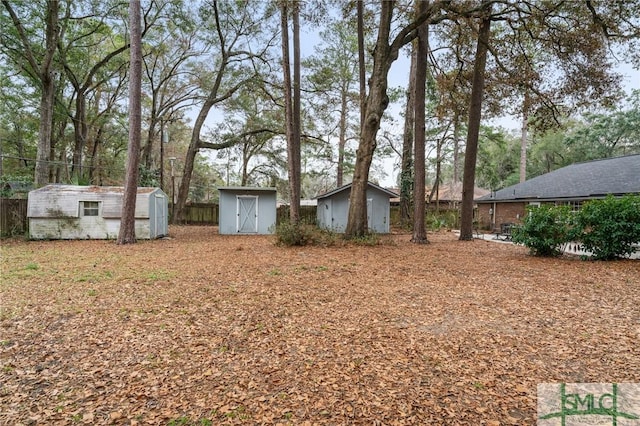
(571, 185)
(448, 196)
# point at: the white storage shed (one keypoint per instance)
(333, 208)
(247, 210)
(71, 212)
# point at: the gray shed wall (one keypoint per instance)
(158, 214)
(333, 211)
(54, 213)
(245, 211)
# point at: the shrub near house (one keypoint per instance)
(546, 230)
(608, 228)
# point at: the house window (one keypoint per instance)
(90, 208)
(574, 205)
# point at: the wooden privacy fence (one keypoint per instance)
(13, 216)
(307, 214)
(208, 214)
(200, 214)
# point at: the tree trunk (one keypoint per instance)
(456, 148)
(127, 234)
(95, 160)
(148, 148)
(375, 105)
(419, 229)
(406, 172)
(80, 133)
(293, 149)
(357, 219)
(187, 171)
(436, 184)
(56, 171)
(296, 155)
(342, 137)
(286, 78)
(361, 62)
(154, 120)
(43, 154)
(523, 138)
(245, 166)
(194, 144)
(475, 115)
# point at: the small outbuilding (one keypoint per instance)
(333, 208)
(247, 210)
(449, 196)
(71, 212)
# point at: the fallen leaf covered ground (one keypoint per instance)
(209, 329)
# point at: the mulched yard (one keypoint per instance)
(208, 329)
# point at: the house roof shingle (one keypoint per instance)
(452, 191)
(592, 179)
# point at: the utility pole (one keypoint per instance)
(164, 138)
(173, 185)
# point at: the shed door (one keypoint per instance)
(327, 214)
(161, 216)
(247, 214)
(370, 223)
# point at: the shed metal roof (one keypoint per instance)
(348, 186)
(245, 188)
(58, 188)
(591, 179)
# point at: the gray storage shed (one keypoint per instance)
(333, 208)
(70, 212)
(247, 210)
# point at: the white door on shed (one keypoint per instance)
(327, 214)
(161, 218)
(247, 214)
